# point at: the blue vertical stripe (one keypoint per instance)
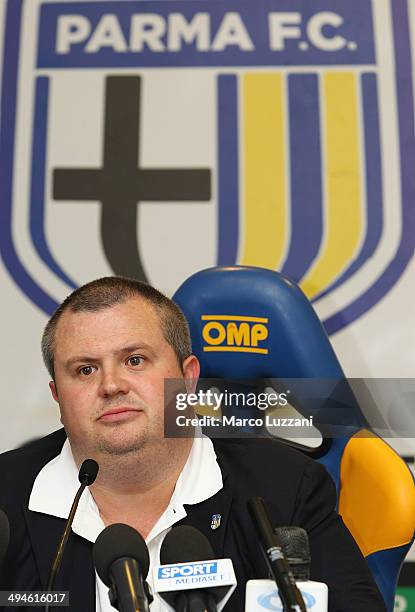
(406, 128)
(306, 175)
(228, 156)
(37, 194)
(373, 164)
(373, 174)
(11, 260)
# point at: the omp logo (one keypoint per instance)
(235, 333)
(191, 569)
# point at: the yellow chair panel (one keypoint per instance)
(377, 494)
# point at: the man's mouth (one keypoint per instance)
(119, 414)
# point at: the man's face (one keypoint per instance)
(110, 367)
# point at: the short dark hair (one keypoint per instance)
(109, 291)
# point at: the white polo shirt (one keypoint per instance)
(56, 484)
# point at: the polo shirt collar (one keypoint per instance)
(56, 485)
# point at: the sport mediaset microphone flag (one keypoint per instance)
(190, 579)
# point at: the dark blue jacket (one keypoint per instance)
(296, 489)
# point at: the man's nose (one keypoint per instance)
(113, 381)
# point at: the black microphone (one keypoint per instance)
(291, 597)
(4, 535)
(294, 542)
(121, 559)
(185, 544)
(87, 474)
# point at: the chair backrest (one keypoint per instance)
(254, 323)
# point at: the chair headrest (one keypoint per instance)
(248, 322)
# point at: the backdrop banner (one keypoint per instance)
(156, 138)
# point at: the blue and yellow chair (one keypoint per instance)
(252, 323)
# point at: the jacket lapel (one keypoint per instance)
(201, 515)
(76, 574)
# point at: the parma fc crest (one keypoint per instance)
(156, 138)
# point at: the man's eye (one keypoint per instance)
(86, 370)
(135, 360)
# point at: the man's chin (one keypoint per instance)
(120, 445)
(119, 449)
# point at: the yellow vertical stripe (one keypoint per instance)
(343, 207)
(264, 212)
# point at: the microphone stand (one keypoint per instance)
(134, 594)
(291, 598)
(62, 543)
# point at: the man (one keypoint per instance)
(109, 348)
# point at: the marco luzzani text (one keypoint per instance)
(216, 400)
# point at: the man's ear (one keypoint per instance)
(54, 391)
(191, 371)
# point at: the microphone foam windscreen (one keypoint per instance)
(294, 542)
(4, 535)
(88, 471)
(116, 542)
(183, 544)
